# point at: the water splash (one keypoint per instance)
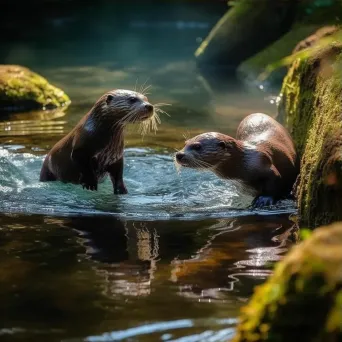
(156, 191)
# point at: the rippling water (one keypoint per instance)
(176, 258)
(156, 190)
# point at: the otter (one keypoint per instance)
(262, 157)
(94, 147)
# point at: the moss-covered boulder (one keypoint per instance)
(302, 300)
(21, 89)
(311, 107)
(244, 30)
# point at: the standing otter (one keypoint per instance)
(95, 146)
(262, 157)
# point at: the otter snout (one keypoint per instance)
(147, 110)
(148, 107)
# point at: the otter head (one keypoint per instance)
(127, 106)
(208, 151)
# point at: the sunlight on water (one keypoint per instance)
(208, 335)
(156, 190)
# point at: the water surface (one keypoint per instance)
(176, 258)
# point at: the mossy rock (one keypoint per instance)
(244, 30)
(311, 106)
(21, 89)
(302, 300)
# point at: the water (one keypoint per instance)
(176, 258)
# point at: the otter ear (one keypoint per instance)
(109, 98)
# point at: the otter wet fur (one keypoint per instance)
(262, 157)
(95, 146)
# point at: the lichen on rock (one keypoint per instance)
(302, 300)
(21, 89)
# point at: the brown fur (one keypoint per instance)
(94, 147)
(262, 157)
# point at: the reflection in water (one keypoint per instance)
(244, 247)
(138, 269)
(150, 329)
(99, 274)
(221, 259)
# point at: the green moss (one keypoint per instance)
(311, 106)
(22, 88)
(301, 301)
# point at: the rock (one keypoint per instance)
(313, 21)
(302, 300)
(244, 30)
(311, 106)
(21, 89)
(322, 32)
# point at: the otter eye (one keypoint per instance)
(222, 144)
(132, 99)
(109, 98)
(196, 147)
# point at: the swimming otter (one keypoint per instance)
(95, 146)
(262, 157)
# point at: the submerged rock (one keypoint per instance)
(311, 106)
(302, 300)
(21, 89)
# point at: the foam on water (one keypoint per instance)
(156, 191)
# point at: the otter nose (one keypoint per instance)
(148, 107)
(180, 156)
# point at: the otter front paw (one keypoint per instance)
(120, 189)
(263, 201)
(88, 182)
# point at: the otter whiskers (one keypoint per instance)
(144, 87)
(129, 117)
(198, 164)
(153, 122)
